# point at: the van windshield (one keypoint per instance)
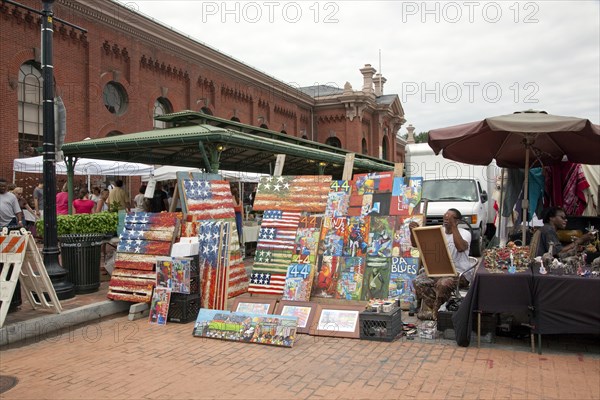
(450, 190)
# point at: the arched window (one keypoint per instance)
(333, 141)
(206, 111)
(264, 126)
(31, 130)
(114, 133)
(364, 146)
(115, 98)
(384, 148)
(284, 132)
(162, 106)
(235, 119)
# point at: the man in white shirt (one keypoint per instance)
(436, 291)
(10, 212)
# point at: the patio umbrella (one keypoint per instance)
(520, 140)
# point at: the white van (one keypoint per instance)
(450, 184)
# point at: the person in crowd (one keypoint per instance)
(38, 200)
(554, 219)
(102, 204)
(160, 200)
(84, 205)
(28, 212)
(10, 212)
(95, 195)
(119, 196)
(138, 200)
(434, 292)
(62, 200)
(239, 210)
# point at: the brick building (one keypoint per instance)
(127, 68)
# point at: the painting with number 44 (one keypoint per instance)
(298, 282)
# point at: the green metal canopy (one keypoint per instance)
(203, 141)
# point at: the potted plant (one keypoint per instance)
(80, 237)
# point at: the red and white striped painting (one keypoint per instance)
(292, 193)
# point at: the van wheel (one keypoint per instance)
(476, 247)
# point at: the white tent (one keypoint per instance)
(169, 172)
(84, 166)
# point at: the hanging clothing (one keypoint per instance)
(514, 187)
(565, 186)
(536, 193)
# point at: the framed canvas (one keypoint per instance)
(433, 247)
(304, 310)
(337, 320)
(254, 305)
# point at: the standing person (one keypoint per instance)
(554, 219)
(238, 208)
(119, 196)
(102, 204)
(83, 205)
(95, 195)
(62, 200)
(138, 200)
(10, 212)
(28, 212)
(436, 291)
(38, 200)
(160, 201)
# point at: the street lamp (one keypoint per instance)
(64, 289)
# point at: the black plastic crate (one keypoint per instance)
(444, 320)
(183, 308)
(382, 326)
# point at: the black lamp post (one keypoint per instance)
(64, 289)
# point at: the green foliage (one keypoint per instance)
(104, 222)
(114, 207)
(420, 137)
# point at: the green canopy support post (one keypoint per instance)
(321, 167)
(70, 163)
(215, 156)
(207, 164)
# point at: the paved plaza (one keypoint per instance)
(121, 359)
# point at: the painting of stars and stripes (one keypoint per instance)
(292, 193)
(376, 278)
(350, 277)
(208, 199)
(214, 261)
(298, 282)
(152, 221)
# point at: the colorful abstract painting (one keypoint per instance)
(208, 199)
(159, 306)
(277, 330)
(292, 193)
(298, 282)
(174, 273)
(338, 199)
(307, 245)
(357, 236)
(402, 246)
(326, 277)
(350, 277)
(376, 278)
(274, 250)
(406, 196)
(404, 270)
(381, 234)
(333, 233)
(376, 182)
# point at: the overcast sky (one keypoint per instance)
(449, 62)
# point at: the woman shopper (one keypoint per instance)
(83, 205)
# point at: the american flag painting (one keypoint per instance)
(208, 199)
(151, 247)
(292, 193)
(274, 249)
(152, 221)
(214, 260)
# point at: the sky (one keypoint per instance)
(450, 62)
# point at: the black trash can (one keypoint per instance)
(80, 254)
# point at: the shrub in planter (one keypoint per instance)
(103, 222)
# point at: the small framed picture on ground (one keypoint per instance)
(304, 310)
(337, 320)
(254, 305)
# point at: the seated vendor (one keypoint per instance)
(434, 292)
(554, 219)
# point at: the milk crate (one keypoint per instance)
(183, 308)
(382, 326)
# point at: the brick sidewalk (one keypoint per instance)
(118, 359)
